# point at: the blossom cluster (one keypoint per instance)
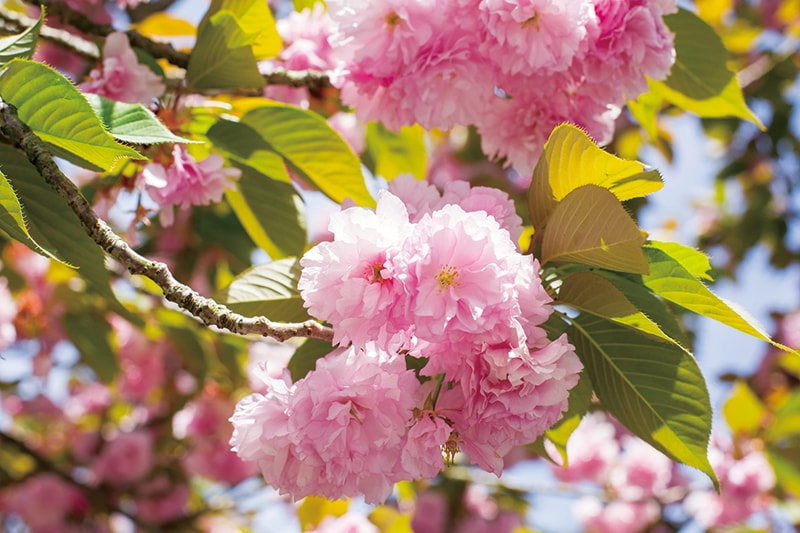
(438, 281)
(513, 69)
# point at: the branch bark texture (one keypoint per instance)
(207, 310)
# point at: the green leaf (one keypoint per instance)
(183, 336)
(645, 110)
(53, 224)
(244, 145)
(396, 153)
(300, 5)
(312, 149)
(255, 18)
(787, 468)
(571, 160)
(580, 398)
(267, 290)
(271, 211)
(587, 291)
(743, 411)
(700, 81)
(21, 45)
(651, 305)
(694, 261)
(12, 219)
(305, 357)
(670, 280)
(132, 123)
(590, 227)
(60, 115)
(786, 423)
(223, 56)
(91, 335)
(653, 387)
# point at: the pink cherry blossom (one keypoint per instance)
(351, 282)
(305, 38)
(592, 449)
(509, 397)
(350, 522)
(8, 312)
(44, 502)
(339, 431)
(422, 456)
(161, 500)
(641, 472)
(350, 128)
(536, 35)
(125, 459)
(121, 77)
(186, 182)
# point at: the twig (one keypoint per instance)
(16, 23)
(207, 310)
(309, 79)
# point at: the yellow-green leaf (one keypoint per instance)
(161, 24)
(571, 160)
(60, 115)
(695, 261)
(590, 227)
(312, 149)
(21, 45)
(314, 509)
(743, 411)
(589, 292)
(669, 279)
(394, 153)
(729, 103)
(254, 18)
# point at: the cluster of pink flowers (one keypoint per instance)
(186, 182)
(441, 280)
(514, 69)
(121, 77)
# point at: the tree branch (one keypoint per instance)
(16, 23)
(207, 310)
(309, 79)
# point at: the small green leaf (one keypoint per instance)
(786, 424)
(670, 280)
(787, 468)
(12, 219)
(132, 123)
(268, 290)
(255, 18)
(743, 411)
(645, 110)
(653, 387)
(91, 335)
(588, 291)
(21, 45)
(305, 357)
(60, 115)
(571, 160)
(223, 56)
(590, 227)
(700, 81)
(312, 149)
(271, 211)
(396, 153)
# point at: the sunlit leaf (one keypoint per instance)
(787, 467)
(223, 56)
(396, 153)
(571, 160)
(671, 281)
(743, 411)
(60, 115)
(161, 24)
(312, 149)
(590, 227)
(694, 261)
(269, 290)
(590, 292)
(729, 103)
(255, 19)
(21, 45)
(132, 123)
(786, 423)
(645, 110)
(653, 387)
